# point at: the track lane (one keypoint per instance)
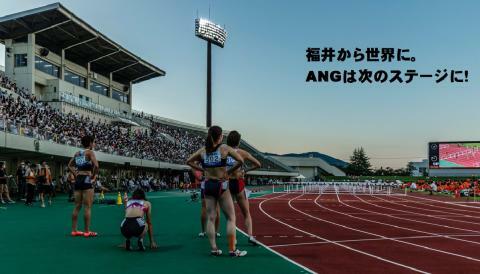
(329, 258)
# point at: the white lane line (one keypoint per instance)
(444, 202)
(279, 254)
(368, 240)
(306, 269)
(443, 208)
(382, 236)
(378, 235)
(421, 214)
(338, 244)
(407, 219)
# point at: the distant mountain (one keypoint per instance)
(329, 159)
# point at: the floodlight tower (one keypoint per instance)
(213, 34)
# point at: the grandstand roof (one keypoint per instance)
(57, 28)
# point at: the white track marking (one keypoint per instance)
(278, 253)
(445, 202)
(338, 244)
(443, 207)
(273, 251)
(421, 214)
(381, 236)
(401, 227)
(368, 240)
(407, 219)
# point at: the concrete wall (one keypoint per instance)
(46, 86)
(22, 75)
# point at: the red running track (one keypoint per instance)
(369, 234)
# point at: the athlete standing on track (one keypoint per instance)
(203, 215)
(236, 182)
(84, 166)
(213, 159)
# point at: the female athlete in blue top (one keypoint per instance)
(84, 166)
(212, 160)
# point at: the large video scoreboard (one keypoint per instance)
(454, 154)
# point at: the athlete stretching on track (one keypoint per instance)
(84, 167)
(213, 159)
(236, 181)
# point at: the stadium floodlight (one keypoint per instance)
(213, 34)
(210, 32)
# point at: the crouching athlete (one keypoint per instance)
(135, 225)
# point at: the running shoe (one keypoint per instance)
(43, 205)
(90, 234)
(141, 246)
(218, 235)
(76, 233)
(128, 245)
(217, 252)
(238, 253)
(10, 202)
(201, 234)
(2, 201)
(252, 240)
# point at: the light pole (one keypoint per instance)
(213, 34)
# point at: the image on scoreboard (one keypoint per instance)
(459, 155)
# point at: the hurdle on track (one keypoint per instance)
(355, 188)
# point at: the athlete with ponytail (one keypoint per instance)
(236, 182)
(212, 160)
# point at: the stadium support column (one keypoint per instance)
(129, 95)
(110, 83)
(88, 75)
(209, 84)
(28, 80)
(62, 65)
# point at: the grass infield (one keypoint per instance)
(36, 240)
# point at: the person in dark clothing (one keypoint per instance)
(21, 181)
(4, 186)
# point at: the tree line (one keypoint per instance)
(359, 165)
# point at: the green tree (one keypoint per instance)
(359, 163)
(410, 168)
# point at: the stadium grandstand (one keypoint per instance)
(63, 77)
(310, 168)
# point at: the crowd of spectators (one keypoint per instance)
(465, 187)
(25, 115)
(6, 83)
